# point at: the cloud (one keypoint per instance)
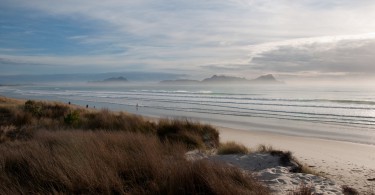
(238, 36)
(345, 56)
(202, 22)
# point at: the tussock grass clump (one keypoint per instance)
(105, 119)
(194, 135)
(286, 159)
(264, 148)
(285, 156)
(232, 148)
(103, 162)
(34, 114)
(44, 109)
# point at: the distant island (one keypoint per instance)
(222, 79)
(119, 79)
(180, 81)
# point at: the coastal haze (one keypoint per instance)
(300, 74)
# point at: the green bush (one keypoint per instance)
(35, 108)
(72, 118)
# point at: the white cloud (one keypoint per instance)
(344, 56)
(253, 35)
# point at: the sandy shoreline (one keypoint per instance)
(346, 163)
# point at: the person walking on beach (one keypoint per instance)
(136, 106)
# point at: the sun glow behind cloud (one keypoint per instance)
(238, 37)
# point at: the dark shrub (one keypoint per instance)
(72, 118)
(6, 116)
(54, 110)
(33, 107)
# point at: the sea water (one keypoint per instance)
(339, 113)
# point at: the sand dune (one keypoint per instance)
(345, 163)
(268, 169)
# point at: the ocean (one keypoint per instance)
(335, 113)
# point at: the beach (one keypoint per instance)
(187, 97)
(330, 131)
(346, 163)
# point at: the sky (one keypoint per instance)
(291, 39)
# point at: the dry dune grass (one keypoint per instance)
(52, 148)
(19, 122)
(232, 148)
(102, 162)
(194, 134)
(4, 101)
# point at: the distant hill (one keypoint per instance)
(180, 82)
(116, 79)
(119, 79)
(269, 78)
(222, 79)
